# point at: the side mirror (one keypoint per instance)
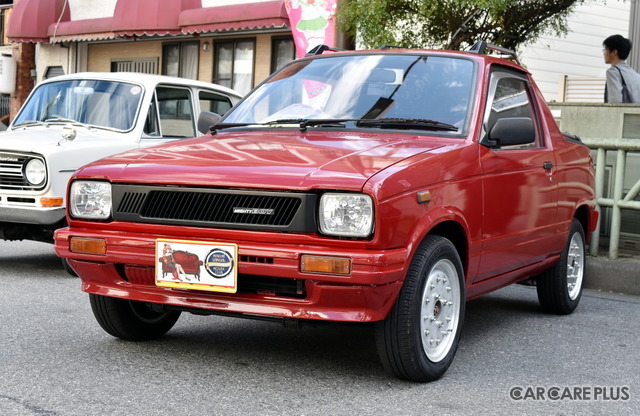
(206, 120)
(511, 131)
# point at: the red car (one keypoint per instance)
(383, 186)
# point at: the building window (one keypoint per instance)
(283, 51)
(181, 59)
(142, 65)
(234, 62)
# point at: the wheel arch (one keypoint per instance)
(583, 215)
(454, 232)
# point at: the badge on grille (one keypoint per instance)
(254, 211)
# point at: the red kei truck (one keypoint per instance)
(383, 186)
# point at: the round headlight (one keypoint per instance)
(35, 172)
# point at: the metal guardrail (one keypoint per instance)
(618, 201)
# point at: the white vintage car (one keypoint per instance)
(71, 120)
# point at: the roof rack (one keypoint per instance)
(385, 46)
(481, 46)
(320, 49)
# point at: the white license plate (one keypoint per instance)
(197, 265)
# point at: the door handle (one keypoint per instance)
(547, 165)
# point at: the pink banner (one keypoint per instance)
(312, 23)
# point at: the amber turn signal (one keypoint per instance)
(51, 202)
(88, 245)
(324, 264)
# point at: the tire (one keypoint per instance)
(68, 268)
(560, 287)
(131, 320)
(419, 338)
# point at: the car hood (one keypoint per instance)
(61, 154)
(48, 139)
(266, 159)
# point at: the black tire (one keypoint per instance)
(560, 287)
(131, 320)
(406, 338)
(68, 268)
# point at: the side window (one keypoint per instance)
(214, 103)
(175, 113)
(509, 97)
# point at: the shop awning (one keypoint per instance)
(131, 18)
(150, 17)
(30, 19)
(263, 15)
(81, 30)
(50, 20)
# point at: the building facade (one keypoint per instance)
(571, 68)
(235, 43)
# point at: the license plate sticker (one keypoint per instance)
(197, 265)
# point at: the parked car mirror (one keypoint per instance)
(511, 131)
(206, 119)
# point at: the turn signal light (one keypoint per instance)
(324, 264)
(88, 245)
(51, 202)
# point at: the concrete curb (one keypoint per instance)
(615, 276)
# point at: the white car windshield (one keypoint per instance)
(373, 87)
(106, 104)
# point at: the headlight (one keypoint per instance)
(35, 172)
(90, 200)
(346, 215)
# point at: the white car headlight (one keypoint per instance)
(90, 200)
(346, 215)
(35, 172)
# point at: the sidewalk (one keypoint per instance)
(616, 276)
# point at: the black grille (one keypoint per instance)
(286, 211)
(12, 172)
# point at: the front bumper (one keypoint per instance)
(127, 270)
(31, 215)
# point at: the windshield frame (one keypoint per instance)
(472, 97)
(141, 92)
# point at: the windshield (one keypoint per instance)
(107, 104)
(382, 86)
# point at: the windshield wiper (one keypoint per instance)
(221, 126)
(60, 120)
(406, 123)
(303, 123)
(29, 123)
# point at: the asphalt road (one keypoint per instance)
(512, 360)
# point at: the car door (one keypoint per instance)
(519, 190)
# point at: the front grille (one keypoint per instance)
(215, 208)
(12, 172)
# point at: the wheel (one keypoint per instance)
(419, 338)
(560, 287)
(131, 320)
